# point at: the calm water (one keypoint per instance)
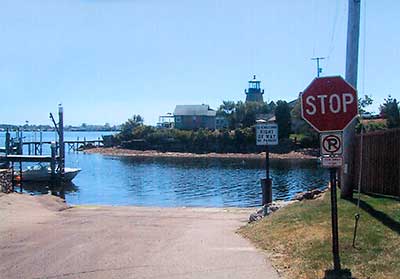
(180, 181)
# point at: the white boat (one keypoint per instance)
(43, 173)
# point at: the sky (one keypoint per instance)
(106, 60)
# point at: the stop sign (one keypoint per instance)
(329, 104)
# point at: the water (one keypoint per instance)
(108, 180)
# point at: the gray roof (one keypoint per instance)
(198, 110)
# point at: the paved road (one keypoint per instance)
(39, 241)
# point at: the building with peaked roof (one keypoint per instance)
(254, 92)
(192, 117)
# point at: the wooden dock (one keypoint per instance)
(26, 158)
(36, 147)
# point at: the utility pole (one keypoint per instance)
(319, 69)
(353, 34)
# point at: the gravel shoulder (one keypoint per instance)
(42, 237)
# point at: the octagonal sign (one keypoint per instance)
(329, 104)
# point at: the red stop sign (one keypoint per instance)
(329, 104)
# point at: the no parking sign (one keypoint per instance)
(331, 143)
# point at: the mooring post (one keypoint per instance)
(20, 176)
(41, 142)
(61, 141)
(53, 161)
(20, 145)
(12, 176)
(7, 142)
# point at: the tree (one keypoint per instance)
(363, 103)
(282, 114)
(227, 108)
(271, 106)
(128, 127)
(390, 111)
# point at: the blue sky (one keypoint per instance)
(106, 60)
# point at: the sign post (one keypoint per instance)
(266, 134)
(335, 230)
(329, 105)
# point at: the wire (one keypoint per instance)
(315, 24)
(333, 33)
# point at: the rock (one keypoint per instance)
(255, 217)
(274, 207)
(5, 181)
(267, 210)
(309, 195)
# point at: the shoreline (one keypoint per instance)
(304, 154)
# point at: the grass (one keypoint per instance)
(298, 137)
(297, 238)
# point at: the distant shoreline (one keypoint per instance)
(304, 154)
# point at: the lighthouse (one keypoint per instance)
(254, 92)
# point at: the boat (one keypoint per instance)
(43, 173)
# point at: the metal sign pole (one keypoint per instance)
(335, 234)
(266, 134)
(267, 162)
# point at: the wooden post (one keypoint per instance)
(12, 176)
(41, 143)
(53, 161)
(20, 176)
(20, 145)
(353, 34)
(7, 142)
(61, 141)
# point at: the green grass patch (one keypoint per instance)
(298, 238)
(298, 137)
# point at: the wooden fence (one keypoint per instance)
(381, 162)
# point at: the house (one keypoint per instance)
(166, 121)
(221, 123)
(192, 117)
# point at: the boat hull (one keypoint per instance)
(45, 174)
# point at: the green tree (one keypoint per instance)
(128, 127)
(390, 110)
(363, 103)
(227, 108)
(282, 114)
(271, 107)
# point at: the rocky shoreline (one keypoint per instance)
(304, 154)
(276, 205)
(5, 181)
